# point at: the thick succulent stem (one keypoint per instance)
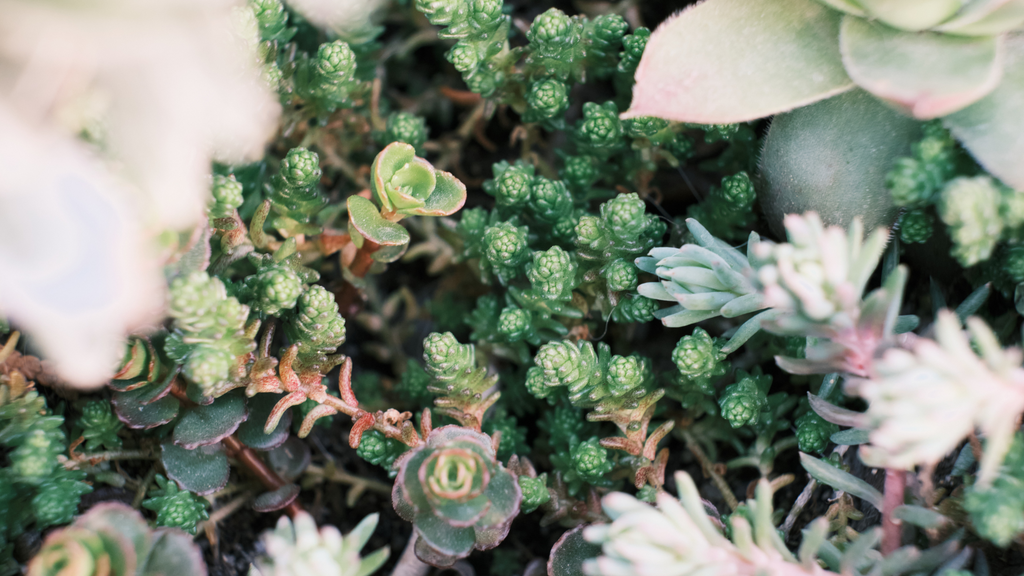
(895, 484)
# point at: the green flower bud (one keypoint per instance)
(535, 383)
(588, 230)
(506, 250)
(546, 99)
(378, 449)
(99, 426)
(276, 288)
(625, 215)
(406, 127)
(695, 355)
(56, 502)
(738, 191)
(580, 172)
(464, 56)
(620, 275)
(552, 274)
(445, 357)
(719, 132)
(535, 493)
(33, 461)
(272, 19)
(512, 183)
(194, 298)
(335, 61)
(743, 402)
(813, 433)
(515, 324)
(634, 308)
(208, 366)
(625, 373)
(175, 508)
(633, 48)
(552, 32)
(227, 196)
(301, 167)
(513, 436)
(600, 127)
(916, 226)
(590, 460)
(549, 200)
(645, 126)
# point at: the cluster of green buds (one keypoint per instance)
(112, 538)
(569, 47)
(379, 450)
(226, 198)
(915, 179)
(456, 494)
(505, 252)
(174, 507)
(209, 337)
(481, 29)
(728, 211)
(546, 205)
(599, 131)
(463, 389)
(813, 433)
(296, 547)
(590, 376)
(745, 402)
(705, 279)
(403, 185)
(295, 195)
(546, 102)
(678, 537)
(328, 80)
(943, 376)
(979, 212)
(700, 360)
(632, 49)
(997, 510)
(272, 19)
(99, 426)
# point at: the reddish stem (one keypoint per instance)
(895, 484)
(349, 299)
(244, 454)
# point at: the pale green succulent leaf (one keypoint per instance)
(912, 15)
(847, 6)
(925, 74)
(390, 160)
(832, 158)
(985, 18)
(448, 197)
(364, 217)
(411, 185)
(990, 128)
(840, 480)
(851, 437)
(725, 61)
(919, 516)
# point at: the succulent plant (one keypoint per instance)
(945, 375)
(99, 426)
(114, 539)
(174, 507)
(403, 185)
(456, 494)
(743, 402)
(593, 376)
(706, 279)
(928, 58)
(296, 546)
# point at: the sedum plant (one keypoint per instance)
(296, 546)
(456, 494)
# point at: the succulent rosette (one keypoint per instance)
(404, 185)
(456, 494)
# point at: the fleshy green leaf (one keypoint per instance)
(447, 198)
(851, 437)
(985, 18)
(926, 74)
(131, 409)
(832, 157)
(990, 128)
(724, 61)
(840, 480)
(569, 553)
(918, 516)
(276, 499)
(390, 160)
(251, 431)
(439, 542)
(202, 425)
(174, 554)
(911, 15)
(363, 215)
(203, 470)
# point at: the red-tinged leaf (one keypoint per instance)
(321, 411)
(277, 499)
(202, 425)
(364, 423)
(137, 410)
(724, 61)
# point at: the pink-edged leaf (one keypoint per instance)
(925, 74)
(203, 470)
(724, 61)
(202, 425)
(142, 409)
(366, 219)
(990, 128)
(569, 553)
(448, 197)
(388, 161)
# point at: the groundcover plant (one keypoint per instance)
(336, 288)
